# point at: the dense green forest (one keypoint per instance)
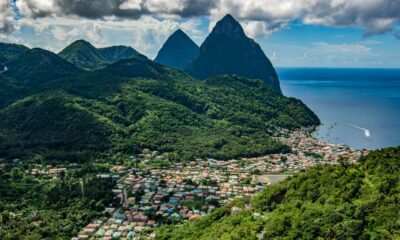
(85, 56)
(10, 52)
(44, 208)
(137, 103)
(328, 202)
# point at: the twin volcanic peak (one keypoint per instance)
(227, 50)
(178, 51)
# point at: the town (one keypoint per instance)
(153, 195)
(153, 191)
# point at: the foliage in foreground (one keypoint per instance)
(328, 202)
(41, 208)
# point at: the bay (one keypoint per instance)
(357, 107)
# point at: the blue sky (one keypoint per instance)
(311, 33)
(313, 45)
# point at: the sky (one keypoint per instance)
(292, 33)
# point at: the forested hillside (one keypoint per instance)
(328, 202)
(9, 52)
(137, 103)
(85, 56)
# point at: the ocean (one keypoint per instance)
(357, 107)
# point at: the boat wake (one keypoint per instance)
(367, 132)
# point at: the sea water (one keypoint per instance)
(357, 107)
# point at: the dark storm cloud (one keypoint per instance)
(97, 9)
(103, 8)
(376, 16)
(198, 8)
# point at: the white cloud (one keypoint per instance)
(327, 54)
(38, 8)
(131, 5)
(260, 17)
(357, 49)
(145, 34)
(256, 29)
(7, 21)
(164, 6)
(376, 16)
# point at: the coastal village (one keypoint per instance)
(152, 195)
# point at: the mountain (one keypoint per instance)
(30, 71)
(56, 125)
(84, 55)
(9, 51)
(178, 51)
(136, 103)
(38, 66)
(227, 50)
(342, 201)
(117, 53)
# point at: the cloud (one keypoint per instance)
(258, 17)
(7, 21)
(375, 16)
(145, 34)
(91, 31)
(132, 9)
(327, 54)
(342, 48)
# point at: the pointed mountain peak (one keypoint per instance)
(229, 18)
(179, 34)
(227, 50)
(229, 26)
(178, 51)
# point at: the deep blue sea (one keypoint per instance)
(357, 107)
